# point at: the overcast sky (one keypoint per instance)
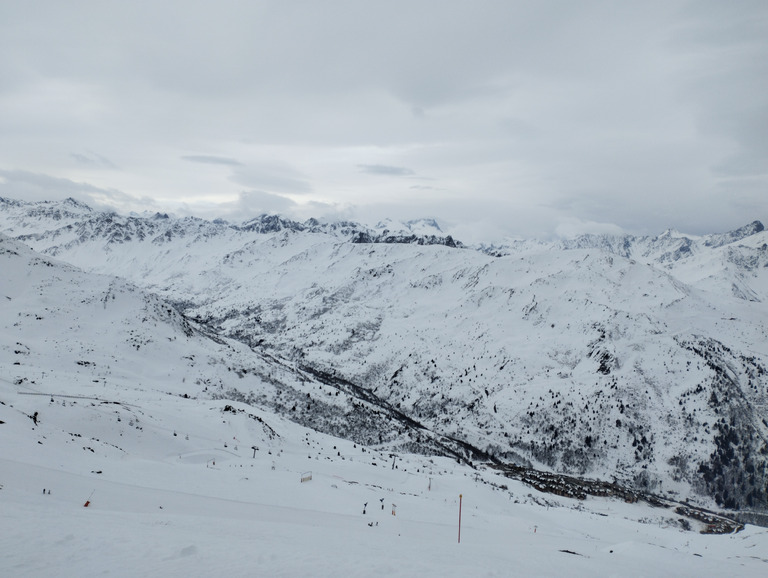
(496, 117)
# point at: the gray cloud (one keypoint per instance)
(258, 202)
(386, 170)
(639, 115)
(93, 159)
(253, 203)
(17, 184)
(212, 160)
(272, 177)
(39, 187)
(730, 82)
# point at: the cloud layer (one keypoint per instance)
(526, 118)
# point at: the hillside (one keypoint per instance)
(635, 359)
(119, 458)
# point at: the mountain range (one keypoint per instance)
(639, 360)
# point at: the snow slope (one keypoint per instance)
(178, 483)
(637, 359)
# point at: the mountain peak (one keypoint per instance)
(718, 240)
(74, 203)
(417, 225)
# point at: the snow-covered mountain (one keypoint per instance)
(630, 358)
(733, 263)
(119, 457)
(66, 325)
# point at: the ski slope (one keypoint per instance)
(199, 503)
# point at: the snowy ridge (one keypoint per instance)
(635, 359)
(75, 224)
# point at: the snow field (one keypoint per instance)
(160, 506)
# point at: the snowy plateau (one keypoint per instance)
(183, 397)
